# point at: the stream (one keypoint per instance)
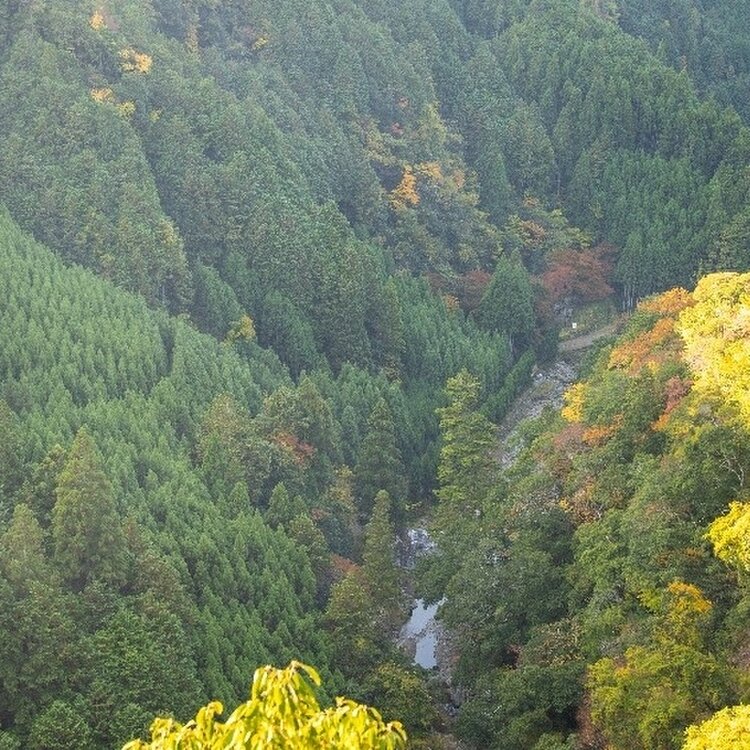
(420, 635)
(422, 630)
(423, 637)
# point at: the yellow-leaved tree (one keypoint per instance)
(716, 332)
(730, 536)
(728, 729)
(283, 713)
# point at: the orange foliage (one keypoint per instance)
(405, 193)
(675, 389)
(647, 350)
(599, 434)
(669, 303)
(341, 567)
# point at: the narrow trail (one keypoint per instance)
(584, 342)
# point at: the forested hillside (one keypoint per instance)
(245, 245)
(600, 585)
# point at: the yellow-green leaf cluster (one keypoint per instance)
(283, 712)
(730, 536)
(716, 332)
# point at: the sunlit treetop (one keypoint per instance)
(283, 712)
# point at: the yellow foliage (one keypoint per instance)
(132, 61)
(283, 713)
(406, 191)
(97, 21)
(730, 536)
(191, 38)
(684, 613)
(716, 332)
(102, 95)
(728, 729)
(241, 330)
(431, 170)
(574, 399)
(451, 303)
(126, 109)
(686, 600)
(260, 42)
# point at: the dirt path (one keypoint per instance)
(585, 341)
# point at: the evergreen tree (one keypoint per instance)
(11, 469)
(379, 563)
(86, 531)
(282, 509)
(379, 466)
(22, 559)
(508, 304)
(465, 470)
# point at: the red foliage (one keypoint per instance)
(675, 389)
(470, 289)
(579, 275)
(437, 282)
(341, 567)
(566, 445)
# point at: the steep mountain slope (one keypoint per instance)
(591, 606)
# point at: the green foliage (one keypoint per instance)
(88, 538)
(379, 564)
(465, 468)
(379, 466)
(589, 554)
(507, 304)
(400, 692)
(345, 193)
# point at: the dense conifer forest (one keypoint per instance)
(271, 274)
